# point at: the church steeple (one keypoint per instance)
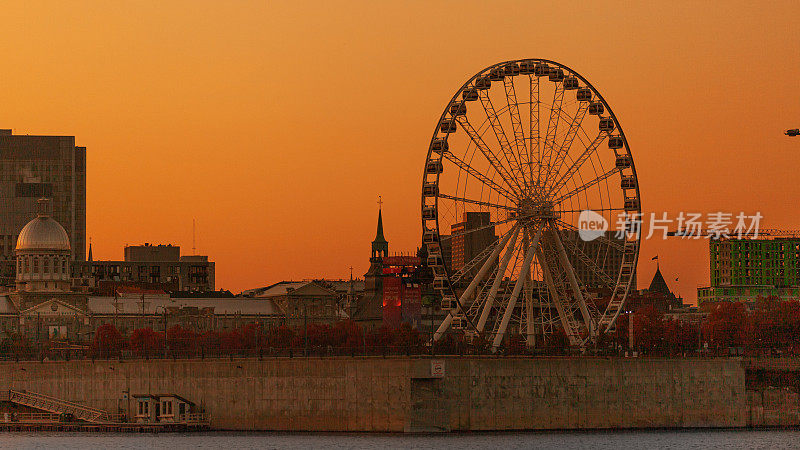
(380, 246)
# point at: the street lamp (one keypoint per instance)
(164, 309)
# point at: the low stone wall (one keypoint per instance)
(402, 394)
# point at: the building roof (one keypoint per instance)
(297, 288)
(659, 284)
(156, 305)
(43, 233)
(344, 285)
(273, 290)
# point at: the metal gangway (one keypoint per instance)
(58, 406)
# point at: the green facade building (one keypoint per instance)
(745, 269)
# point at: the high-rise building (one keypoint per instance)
(745, 269)
(33, 167)
(606, 256)
(467, 244)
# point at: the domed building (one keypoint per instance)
(43, 254)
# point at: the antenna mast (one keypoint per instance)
(194, 247)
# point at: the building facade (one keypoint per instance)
(469, 238)
(153, 264)
(32, 167)
(746, 269)
(606, 255)
(402, 291)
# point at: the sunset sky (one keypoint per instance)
(276, 125)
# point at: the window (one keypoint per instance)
(64, 265)
(35, 264)
(46, 264)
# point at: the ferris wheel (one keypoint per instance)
(523, 152)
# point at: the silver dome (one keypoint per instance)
(43, 233)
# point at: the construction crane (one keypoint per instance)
(731, 234)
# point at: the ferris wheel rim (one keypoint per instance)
(619, 132)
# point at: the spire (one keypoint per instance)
(379, 235)
(89, 258)
(380, 246)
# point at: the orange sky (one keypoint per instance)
(277, 124)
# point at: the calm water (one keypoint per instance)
(506, 441)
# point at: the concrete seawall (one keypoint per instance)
(407, 394)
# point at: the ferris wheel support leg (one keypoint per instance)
(526, 266)
(530, 337)
(498, 279)
(474, 284)
(556, 300)
(573, 282)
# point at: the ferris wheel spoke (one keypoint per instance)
(566, 144)
(466, 268)
(573, 248)
(602, 238)
(547, 265)
(459, 274)
(505, 173)
(477, 202)
(572, 279)
(552, 128)
(587, 185)
(534, 123)
(500, 134)
(597, 210)
(526, 267)
(488, 182)
(584, 156)
(516, 124)
(498, 279)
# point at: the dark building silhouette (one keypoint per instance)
(34, 167)
(465, 245)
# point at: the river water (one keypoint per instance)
(616, 440)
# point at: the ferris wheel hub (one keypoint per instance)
(532, 210)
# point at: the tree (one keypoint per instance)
(280, 337)
(347, 334)
(727, 325)
(107, 340)
(146, 342)
(649, 331)
(181, 341)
